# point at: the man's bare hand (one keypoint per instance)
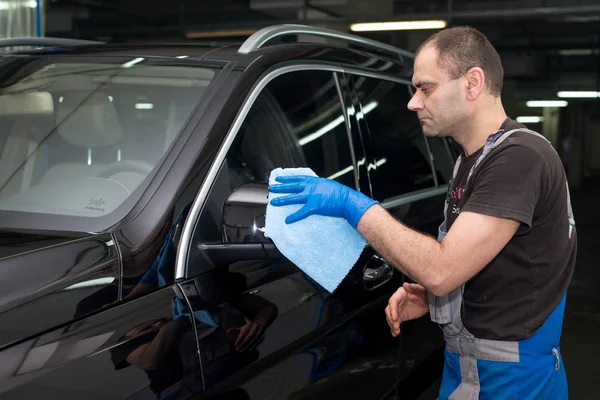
(409, 302)
(247, 337)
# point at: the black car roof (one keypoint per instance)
(244, 53)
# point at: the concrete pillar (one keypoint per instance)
(573, 126)
(550, 125)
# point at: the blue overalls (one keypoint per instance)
(492, 369)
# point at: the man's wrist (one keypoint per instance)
(360, 203)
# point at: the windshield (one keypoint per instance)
(78, 138)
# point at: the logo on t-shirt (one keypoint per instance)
(454, 197)
(457, 193)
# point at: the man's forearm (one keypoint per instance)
(416, 255)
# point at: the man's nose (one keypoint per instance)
(415, 104)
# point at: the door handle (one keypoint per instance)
(377, 272)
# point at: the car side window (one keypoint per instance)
(296, 121)
(399, 161)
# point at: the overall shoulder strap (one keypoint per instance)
(495, 140)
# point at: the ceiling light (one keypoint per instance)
(529, 119)
(577, 52)
(7, 5)
(144, 106)
(547, 103)
(398, 26)
(581, 94)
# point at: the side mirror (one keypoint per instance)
(244, 213)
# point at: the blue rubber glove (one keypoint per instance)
(321, 196)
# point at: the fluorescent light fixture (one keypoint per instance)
(91, 283)
(398, 26)
(529, 119)
(7, 5)
(131, 63)
(89, 161)
(144, 106)
(182, 57)
(577, 52)
(578, 94)
(547, 103)
(315, 135)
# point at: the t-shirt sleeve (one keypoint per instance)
(508, 184)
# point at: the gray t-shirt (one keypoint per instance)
(522, 179)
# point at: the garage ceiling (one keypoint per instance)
(546, 45)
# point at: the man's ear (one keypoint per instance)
(475, 83)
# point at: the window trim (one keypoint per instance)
(340, 93)
(199, 201)
(416, 195)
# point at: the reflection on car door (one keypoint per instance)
(66, 334)
(401, 169)
(266, 329)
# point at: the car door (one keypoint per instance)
(408, 174)
(302, 341)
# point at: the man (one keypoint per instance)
(496, 278)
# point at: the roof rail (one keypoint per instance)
(45, 42)
(259, 38)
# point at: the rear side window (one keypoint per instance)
(399, 160)
(78, 138)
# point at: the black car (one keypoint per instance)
(133, 263)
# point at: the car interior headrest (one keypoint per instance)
(88, 120)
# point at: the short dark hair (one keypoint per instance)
(462, 48)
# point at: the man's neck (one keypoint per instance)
(479, 129)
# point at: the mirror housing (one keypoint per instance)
(244, 213)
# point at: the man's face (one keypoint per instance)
(439, 102)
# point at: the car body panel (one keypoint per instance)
(42, 287)
(87, 358)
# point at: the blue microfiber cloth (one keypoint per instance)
(326, 248)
